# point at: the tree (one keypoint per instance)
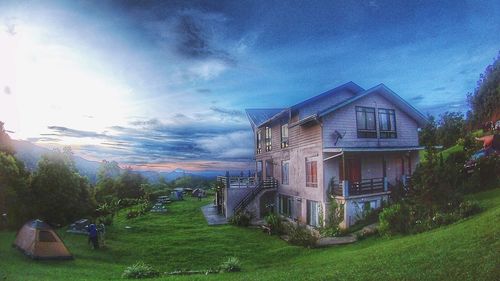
(5, 141)
(485, 100)
(108, 170)
(451, 127)
(60, 194)
(14, 190)
(129, 185)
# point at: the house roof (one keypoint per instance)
(387, 93)
(351, 86)
(259, 116)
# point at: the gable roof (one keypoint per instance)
(350, 86)
(259, 116)
(388, 94)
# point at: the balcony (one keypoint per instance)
(363, 187)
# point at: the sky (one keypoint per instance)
(159, 85)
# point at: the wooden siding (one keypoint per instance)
(344, 121)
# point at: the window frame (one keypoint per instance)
(285, 209)
(284, 140)
(392, 133)
(287, 163)
(311, 179)
(365, 133)
(313, 221)
(259, 141)
(268, 138)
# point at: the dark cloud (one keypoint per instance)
(43, 139)
(231, 113)
(203, 91)
(417, 98)
(439, 89)
(64, 131)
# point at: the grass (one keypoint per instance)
(467, 250)
(445, 153)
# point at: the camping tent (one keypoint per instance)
(38, 240)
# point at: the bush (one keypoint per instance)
(232, 264)
(334, 216)
(394, 219)
(241, 219)
(275, 224)
(106, 220)
(132, 214)
(301, 236)
(441, 218)
(469, 208)
(140, 270)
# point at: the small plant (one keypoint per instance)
(469, 208)
(132, 214)
(334, 216)
(241, 219)
(275, 224)
(394, 219)
(232, 264)
(301, 236)
(140, 270)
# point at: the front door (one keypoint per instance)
(269, 168)
(352, 171)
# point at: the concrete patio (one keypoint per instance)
(211, 215)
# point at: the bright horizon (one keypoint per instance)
(161, 85)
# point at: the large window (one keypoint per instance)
(311, 173)
(387, 123)
(285, 172)
(285, 205)
(313, 213)
(268, 139)
(365, 121)
(259, 141)
(284, 135)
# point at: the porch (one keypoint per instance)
(361, 172)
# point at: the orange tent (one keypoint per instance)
(38, 240)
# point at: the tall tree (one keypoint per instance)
(5, 141)
(450, 128)
(485, 100)
(60, 194)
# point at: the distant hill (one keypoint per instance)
(31, 153)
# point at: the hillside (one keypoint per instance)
(467, 250)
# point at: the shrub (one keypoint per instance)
(394, 219)
(301, 236)
(232, 264)
(274, 222)
(106, 220)
(469, 208)
(140, 270)
(334, 216)
(241, 219)
(132, 214)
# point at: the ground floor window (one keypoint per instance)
(313, 210)
(285, 205)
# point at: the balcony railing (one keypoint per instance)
(365, 186)
(237, 182)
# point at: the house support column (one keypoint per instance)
(386, 184)
(345, 188)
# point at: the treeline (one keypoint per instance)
(59, 195)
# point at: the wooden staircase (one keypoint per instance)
(268, 183)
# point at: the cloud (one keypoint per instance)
(232, 114)
(439, 89)
(417, 98)
(203, 91)
(7, 90)
(64, 131)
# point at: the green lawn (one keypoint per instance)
(467, 250)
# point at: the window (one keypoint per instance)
(284, 172)
(284, 135)
(268, 139)
(285, 205)
(259, 141)
(313, 213)
(387, 123)
(365, 121)
(259, 169)
(311, 173)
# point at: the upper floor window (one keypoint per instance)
(285, 171)
(268, 139)
(365, 121)
(284, 135)
(387, 123)
(259, 141)
(311, 173)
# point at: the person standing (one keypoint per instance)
(93, 237)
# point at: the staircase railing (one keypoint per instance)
(266, 184)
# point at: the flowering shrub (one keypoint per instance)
(140, 270)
